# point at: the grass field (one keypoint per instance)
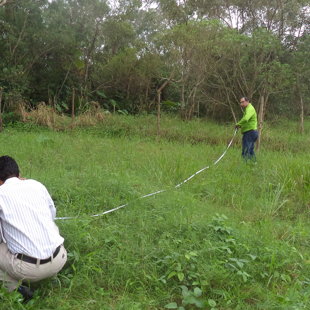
(236, 236)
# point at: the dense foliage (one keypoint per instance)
(121, 53)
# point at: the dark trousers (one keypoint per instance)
(248, 140)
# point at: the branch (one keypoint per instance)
(2, 2)
(20, 35)
(64, 81)
(35, 59)
(167, 80)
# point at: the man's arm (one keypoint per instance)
(249, 112)
(52, 206)
(1, 233)
(50, 202)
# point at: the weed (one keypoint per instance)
(234, 237)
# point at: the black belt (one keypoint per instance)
(32, 260)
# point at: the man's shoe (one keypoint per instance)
(26, 292)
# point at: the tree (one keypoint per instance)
(301, 67)
(191, 51)
(21, 23)
(211, 52)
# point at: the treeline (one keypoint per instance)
(190, 57)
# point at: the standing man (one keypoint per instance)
(248, 125)
(31, 248)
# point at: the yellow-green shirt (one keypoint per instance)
(249, 119)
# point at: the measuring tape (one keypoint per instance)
(160, 191)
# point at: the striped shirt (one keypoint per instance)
(27, 215)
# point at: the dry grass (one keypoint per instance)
(45, 115)
(93, 116)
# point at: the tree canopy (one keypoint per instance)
(119, 53)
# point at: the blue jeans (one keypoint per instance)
(248, 140)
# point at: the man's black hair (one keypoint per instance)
(8, 168)
(246, 99)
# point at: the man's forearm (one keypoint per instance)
(245, 118)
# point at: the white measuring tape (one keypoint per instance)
(160, 191)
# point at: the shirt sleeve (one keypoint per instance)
(247, 115)
(52, 206)
(50, 202)
(1, 233)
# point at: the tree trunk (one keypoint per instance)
(230, 106)
(158, 111)
(192, 99)
(146, 98)
(159, 90)
(232, 112)
(260, 119)
(183, 104)
(198, 109)
(87, 61)
(73, 105)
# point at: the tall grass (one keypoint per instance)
(235, 237)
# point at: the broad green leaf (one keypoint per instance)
(171, 274)
(211, 303)
(197, 292)
(172, 305)
(181, 276)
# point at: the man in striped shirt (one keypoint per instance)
(31, 248)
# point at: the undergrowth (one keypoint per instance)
(236, 236)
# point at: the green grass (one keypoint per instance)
(234, 237)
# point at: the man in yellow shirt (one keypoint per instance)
(248, 125)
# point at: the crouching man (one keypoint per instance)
(31, 248)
